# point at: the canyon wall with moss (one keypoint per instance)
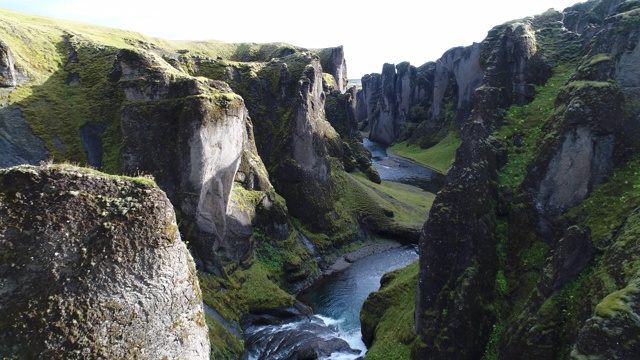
(518, 271)
(419, 104)
(93, 266)
(528, 251)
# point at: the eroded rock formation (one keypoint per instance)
(405, 102)
(194, 136)
(93, 266)
(526, 249)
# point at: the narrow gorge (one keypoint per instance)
(202, 199)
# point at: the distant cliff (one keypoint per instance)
(409, 103)
(93, 267)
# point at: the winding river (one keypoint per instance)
(337, 299)
(402, 170)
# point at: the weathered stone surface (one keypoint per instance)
(612, 329)
(458, 260)
(390, 104)
(334, 63)
(7, 66)
(18, 144)
(93, 266)
(194, 136)
(461, 66)
(613, 332)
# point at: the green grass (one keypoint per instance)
(611, 202)
(394, 335)
(439, 157)
(224, 345)
(527, 121)
(261, 292)
(410, 205)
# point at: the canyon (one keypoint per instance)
(236, 175)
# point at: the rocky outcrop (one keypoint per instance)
(194, 136)
(92, 266)
(18, 143)
(300, 148)
(334, 63)
(458, 68)
(458, 263)
(340, 111)
(586, 18)
(611, 329)
(458, 258)
(406, 94)
(7, 66)
(581, 155)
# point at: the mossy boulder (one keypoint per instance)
(93, 266)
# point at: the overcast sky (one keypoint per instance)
(371, 32)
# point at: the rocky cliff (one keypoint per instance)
(93, 266)
(525, 269)
(195, 136)
(409, 103)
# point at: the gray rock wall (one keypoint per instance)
(92, 266)
(386, 99)
(193, 136)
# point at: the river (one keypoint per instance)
(337, 299)
(402, 170)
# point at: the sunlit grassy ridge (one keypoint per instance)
(438, 157)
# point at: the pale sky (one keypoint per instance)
(372, 32)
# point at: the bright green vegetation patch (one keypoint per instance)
(410, 205)
(224, 345)
(526, 122)
(617, 302)
(439, 157)
(242, 292)
(260, 292)
(611, 202)
(394, 335)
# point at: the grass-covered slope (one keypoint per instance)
(438, 157)
(394, 331)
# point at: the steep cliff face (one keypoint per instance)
(459, 263)
(413, 103)
(18, 143)
(7, 66)
(333, 62)
(531, 266)
(303, 153)
(93, 266)
(192, 134)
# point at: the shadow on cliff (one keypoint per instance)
(71, 116)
